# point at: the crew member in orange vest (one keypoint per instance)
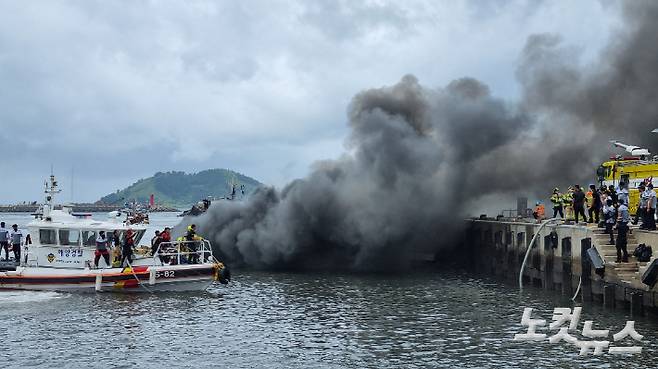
(539, 212)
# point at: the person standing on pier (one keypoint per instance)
(4, 240)
(641, 208)
(609, 217)
(651, 208)
(613, 194)
(567, 203)
(556, 200)
(595, 204)
(579, 203)
(16, 237)
(622, 230)
(622, 193)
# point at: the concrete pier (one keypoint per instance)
(558, 260)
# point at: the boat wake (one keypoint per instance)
(17, 297)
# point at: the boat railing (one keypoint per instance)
(197, 251)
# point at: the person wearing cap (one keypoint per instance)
(650, 212)
(556, 200)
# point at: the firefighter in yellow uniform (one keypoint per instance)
(567, 203)
(556, 200)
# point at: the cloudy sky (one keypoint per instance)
(114, 91)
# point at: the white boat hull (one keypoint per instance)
(169, 278)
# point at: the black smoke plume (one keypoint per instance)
(418, 158)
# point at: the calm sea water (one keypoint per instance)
(428, 319)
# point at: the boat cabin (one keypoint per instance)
(63, 239)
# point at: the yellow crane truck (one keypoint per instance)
(638, 168)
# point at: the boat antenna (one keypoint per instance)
(50, 191)
(72, 173)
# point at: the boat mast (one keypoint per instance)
(50, 191)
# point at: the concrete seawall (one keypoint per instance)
(558, 260)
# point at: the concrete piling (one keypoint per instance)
(609, 296)
(554, 264)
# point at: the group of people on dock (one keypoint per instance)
(606, 207)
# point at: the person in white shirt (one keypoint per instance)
(650, 211)
(609, 217)
(4, 240)
(16, 239)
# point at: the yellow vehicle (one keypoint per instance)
(633, 170)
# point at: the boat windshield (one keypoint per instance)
(89, 238)
(76, 237)
(69, 237)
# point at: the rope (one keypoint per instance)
(135, 275)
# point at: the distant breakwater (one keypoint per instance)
(86, 208)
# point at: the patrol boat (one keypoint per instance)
(61, 257)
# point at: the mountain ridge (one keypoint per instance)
(179, 189)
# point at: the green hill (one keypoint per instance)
(181, 190)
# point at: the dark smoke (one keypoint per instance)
(418, 158)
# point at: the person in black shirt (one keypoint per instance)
(613, 194)
(155, 243)
(579, 203)
(127, 250)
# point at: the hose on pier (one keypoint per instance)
(532, 243)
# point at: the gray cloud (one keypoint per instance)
(258, 86)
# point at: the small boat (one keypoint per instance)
(61, 258)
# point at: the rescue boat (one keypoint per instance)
(61, 258)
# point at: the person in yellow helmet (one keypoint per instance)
(567, 203)
(191, 237)
(556, 200)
